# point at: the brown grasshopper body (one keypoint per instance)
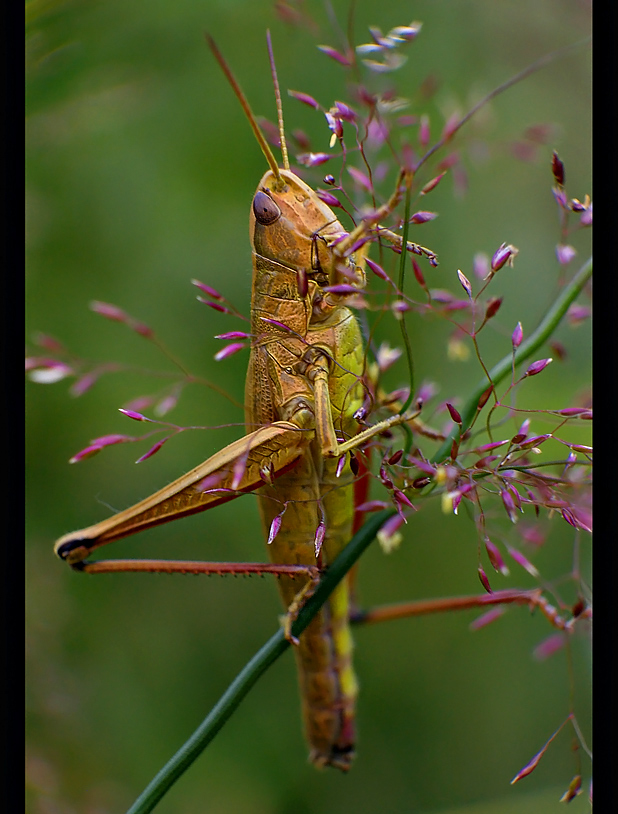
(290, 229)
(304, 386)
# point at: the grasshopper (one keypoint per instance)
(304, 389)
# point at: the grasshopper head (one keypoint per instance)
(290, 225)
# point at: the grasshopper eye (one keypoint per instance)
(265, 209)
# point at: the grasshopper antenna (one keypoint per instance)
(273, 70)
(264, 146)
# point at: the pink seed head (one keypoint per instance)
(304, 98)
(505, 254)
(537, 367)
(517, 336)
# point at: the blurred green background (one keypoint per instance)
(140, 173)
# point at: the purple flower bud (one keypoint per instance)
(274, 528)
(523, 561)
(340, 466)
(217, 306)
(395, 457)
(480, 264)
(537, 367)
(517, 336)
(313, 159)
(489, 447)
(423, 131)
(493, 306)
(377, 269)
(109, 311)
(209, 483)
(304, 98)
(270, 130)
(152, 450)
(453, 413)
(505, 254)
(399, 307)
(423, 217)
(565, 253)
(465, 283)
(485, 397)
(87, 452)
(406, 32)
(531, 765)
(341, 288)
(509, 505)
(495, 558)
(484, 580)
(575, 787)
(372, 506)
(114, 438)
(212, 292)
(535, 440)
(388, 536)
(552, 644)
(354, 465)
(557, 168)
(47, 371)
(578, 314)
(345, 112)
(267, 473)
(239, 469)
(328, 198)
(234, 335)
(451, 126)
(281, 325)
(361, 178)
(586, 217)
(48, 342)
(483, 463)
(384, 478)
(448, 162)
(419, 275)
(487, 618)
(581, 448)
(402, 498)
(302, 139)
(320, 533)
(333, 54)
(334, 124)
(573, 411)
(140, 403)
(369, 48)
(141, 329)
(387, 356)
(432, 184)
(84, 383)
(166, 404)
(132, 414)
(424, 466)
